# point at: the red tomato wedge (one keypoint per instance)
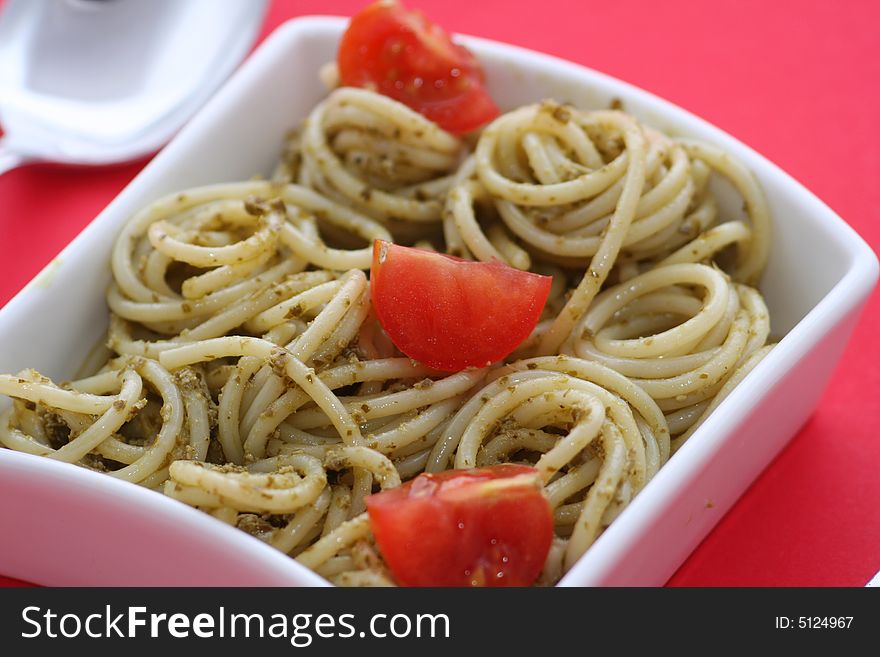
(483, 527)
(403, 55)
(450, 313)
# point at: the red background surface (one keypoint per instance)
(797, 81)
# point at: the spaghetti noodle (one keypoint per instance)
(250, 378)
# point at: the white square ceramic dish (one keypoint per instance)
(65, 525)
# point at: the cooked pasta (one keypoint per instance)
(250, 378)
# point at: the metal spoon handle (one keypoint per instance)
(9, 159)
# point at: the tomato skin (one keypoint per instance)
(404, 56)
(450, 313)
(453, 529)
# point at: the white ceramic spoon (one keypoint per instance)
(101, 81)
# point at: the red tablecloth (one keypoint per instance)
(796, 81)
